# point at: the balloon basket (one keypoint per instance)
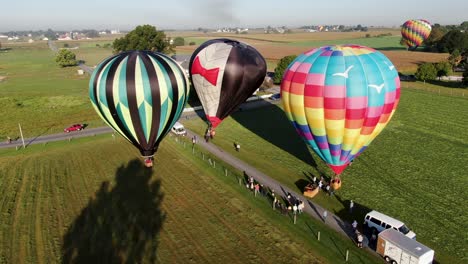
(336, 184)
(310, 191)
(148, 162)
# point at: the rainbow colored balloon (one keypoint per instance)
(339, 98)
(415, 31)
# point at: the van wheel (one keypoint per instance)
(387, 259)
(394, 262)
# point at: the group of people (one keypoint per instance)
(288, 204)
(254, 186)
(323, 185)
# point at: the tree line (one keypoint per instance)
(451, 39)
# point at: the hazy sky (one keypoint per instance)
(188, 14)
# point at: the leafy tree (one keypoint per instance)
(283, 63)
(455, 58)
(426, 71)
(144, 37)
(179, 41)
(443, 68)
(402, 42)
(92, 34)
(437, 32)
(66, 58)
(465, 75)
(464, 26)
(50, 34)
(453, 40)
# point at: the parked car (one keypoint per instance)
(275, 97)
(378, 222)
(75, 127)
(406, 78)
(179, 129)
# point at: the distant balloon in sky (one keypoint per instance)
(415, 31)
(140, 94)
(339, 98)
(225, 73)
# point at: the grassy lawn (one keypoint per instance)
(91, 200)
(91, 51)
(415, 170)
(39, 94)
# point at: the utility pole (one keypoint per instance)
(22, 138)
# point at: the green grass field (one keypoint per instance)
(415, 170)
(91, 200)
(39, 94)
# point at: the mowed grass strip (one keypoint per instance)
(73, 197)
(414, 171)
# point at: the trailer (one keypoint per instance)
(397, 248)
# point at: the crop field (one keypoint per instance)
(276, 46)
(91, 200)
(415, 170)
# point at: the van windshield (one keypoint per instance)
(403, 229)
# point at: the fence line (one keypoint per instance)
(236, 176)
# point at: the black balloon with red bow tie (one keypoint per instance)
(225, 73)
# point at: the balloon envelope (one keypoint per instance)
(225, 73)
(140, 95)
(415, 31)
(339, 98)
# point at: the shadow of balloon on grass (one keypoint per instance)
(121, 224)
(270, 123)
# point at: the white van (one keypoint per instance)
(179, 129)
(379, 222)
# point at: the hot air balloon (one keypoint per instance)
(415, 31)
(140, 94)
(339, 98)
(225, 73)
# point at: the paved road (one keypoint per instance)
(310, 207)
(57, 137)
(102, 130)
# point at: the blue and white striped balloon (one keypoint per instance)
(140, 94)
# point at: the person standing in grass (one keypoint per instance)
(194, 140)
(273, 198)
(360, 238)
(207, 135)
(237, 146)
(325, 214)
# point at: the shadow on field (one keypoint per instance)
(121, 223)
(37, 136)
(270, 123)
(447, 84)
